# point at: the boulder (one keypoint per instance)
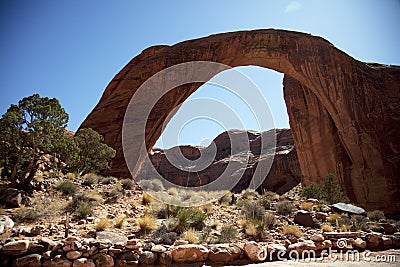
(148, 257)
(189, 253)
(104, 260)
(16, 247)
(57, 261)
(348, 208)
(32, 260)
(14, 198)
(5, 223)
(73, 255)
(304, 218)
(83, 262)
(299, 247)
(224, 253)
(113, 237)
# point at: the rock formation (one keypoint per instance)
(284, 174)
(344, 113)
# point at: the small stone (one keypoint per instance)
(386, 241)
(158, 248)
(301, 246)
(83, 262)
(224, 253)
(47, 242)
(73, 255)
(317, 238)
(327, 243)
(165, 258)
(388, 228)
(32, 260)
(57, 261)
(133, 244)
(338, 235)
(321, 215)
(180, 242)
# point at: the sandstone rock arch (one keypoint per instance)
(344, 113)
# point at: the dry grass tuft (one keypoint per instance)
(147, 198)
(120, 221)
(308, 206)
(191, 236)
(326, 227)
(146, 223)
(102, 224)
(292, 230)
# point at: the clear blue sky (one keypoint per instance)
(72, 49)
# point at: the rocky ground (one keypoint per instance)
(104, 221)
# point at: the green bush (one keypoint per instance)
(252, 210)
(90, 179)
(82, 205)
(24, 214)
(329, 191)
(284, 207)
(67, 188)
(376, 215)
(128, 184)
(228, 234)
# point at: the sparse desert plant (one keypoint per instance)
(191, 236)
(147, 198)
(284, 207)
(249, 194)
(252, 230)
(70, 176)
(106, 180)
(269, 220)
(84, 210)
(127, 184)
(333, 218)
(151, 185)
(292, 230)
(326, 227)
(102, 224)
(359, 222)
(172, 191)
(343, 221)
(93, 196)
(228, 234)
(226, 198)
(82, 205)
(345, 228)
(252, 210)
(376, 215)
(214, 224)
(190, 217)
(120, 221)
(267, 198)
(308, 206)
(208, 208)
(90, 179)
(67, 188)
(313, 190)
(25, 214)
(146, 223)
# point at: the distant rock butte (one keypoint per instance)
(284, 174)
(344, 114)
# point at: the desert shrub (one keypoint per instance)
(120, 221)
(269, 220)
(326, 227)
(330, 190)
(147, 198)
(151, 185)
(24, 214)
(359, 222)
(251, 209)
(284, 207)
(83, 204)
(102, 224)
(106, 180)
(249, 194)
(226, 198)
(313, 190)
(343, 221)
(307, 206)
(190, 217)
(292, 230)
(376, 215)
(191, 236)
(127, 184)
(146, 223)
(267, 198)
(90, 179)
(70, 176)
(345, 228)
(163, 236)
(67, 188)
(252, 230)
(228, 234)
(332, 218)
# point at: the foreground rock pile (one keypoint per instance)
(77, 252)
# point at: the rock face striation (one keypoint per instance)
(285, 171)
(344, 113)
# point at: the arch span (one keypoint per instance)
(344, 113)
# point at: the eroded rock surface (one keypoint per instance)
(344, 113)
(284, 174)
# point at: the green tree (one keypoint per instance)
(329, 191)
(31, 134)
(94, 155)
